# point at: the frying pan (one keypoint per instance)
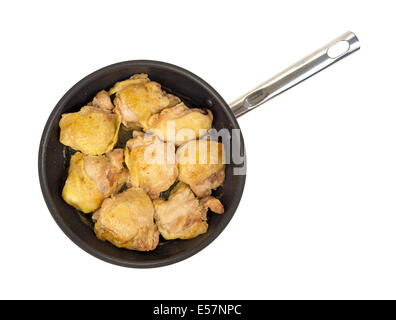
(195, 92)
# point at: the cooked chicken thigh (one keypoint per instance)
(107, 171)
(91, 130)
(201, 165)
(93, 178)
(180, 123)
(127, 221)
(138, 98)
(183, 216)
(151, 163)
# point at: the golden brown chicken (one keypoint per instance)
(180, 123)
(183, 216)
(102, 100)
(127, 221)
(138, 98)
(93, 178)
(94, 129)
(201, 165)
(213, 204)
(151, 163)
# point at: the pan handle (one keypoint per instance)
(334, 51)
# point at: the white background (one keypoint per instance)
(318, 215)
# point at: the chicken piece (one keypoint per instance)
(93, 178)
(138, 98)
(137, 78)
(102, 100)
(107, 171)
(127, 221)
(151, 163)
(201, 165)
(92, 130)
(183, 216)
(180, 123)
(213, 204)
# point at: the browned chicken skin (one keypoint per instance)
(107, 171)
(213, 204)
(138, 98)
(183, 216)
(91, 130)
(180, 123)
(93, 178)
(102, 100)
(127, 221)
(201, 165)
(151, 163)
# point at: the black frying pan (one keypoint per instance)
(195, 92)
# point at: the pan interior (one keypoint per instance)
(53, 162)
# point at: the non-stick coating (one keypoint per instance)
(53, 163)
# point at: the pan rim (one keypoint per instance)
(54, 211)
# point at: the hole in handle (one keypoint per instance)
(338, 49)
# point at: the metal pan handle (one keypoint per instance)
(334, 51)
